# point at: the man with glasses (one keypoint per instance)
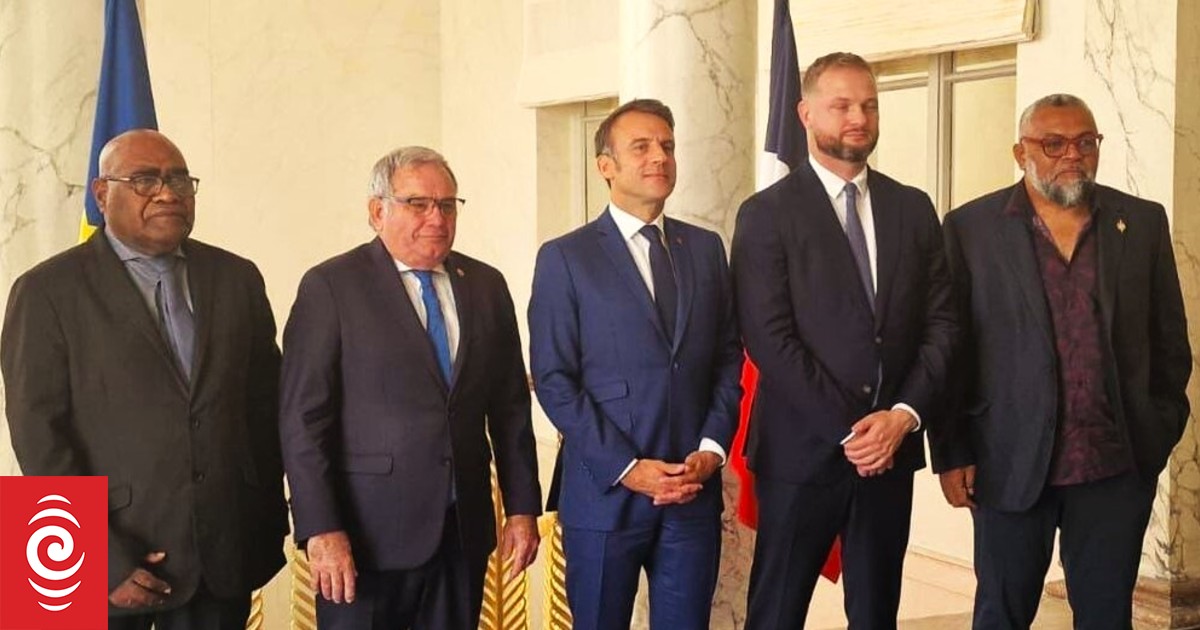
(149, 357)
(1069, 394)
(402, 378)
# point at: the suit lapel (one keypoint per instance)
(201, 286)
(887, 245)
(618, 254)
(390, 287)
(462, 305)
(1020, 260)
(1110, 235)
(110, 280)
(681, 258)
(822, 219)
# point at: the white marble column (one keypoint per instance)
(698, 57)
(49, 67)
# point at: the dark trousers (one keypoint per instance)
(797, 524)
(204, 611)
(1101, 525)
(445, 593)
(680, 558)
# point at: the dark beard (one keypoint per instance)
(834, 147)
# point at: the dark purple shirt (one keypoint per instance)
(1089, 444)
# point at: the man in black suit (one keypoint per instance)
(150, 358)
(844, 302)
(402, 376)
(1070, 395)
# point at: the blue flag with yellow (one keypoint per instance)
(124, 100)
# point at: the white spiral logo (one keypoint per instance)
(60, 549)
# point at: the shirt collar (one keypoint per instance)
(127, 253)
(834, 184)
(440, 268)
(628, 225)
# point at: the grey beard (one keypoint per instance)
(1069, 195)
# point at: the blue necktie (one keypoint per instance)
(435, 323)
(666, 294)
(858, 243)
(173, 313)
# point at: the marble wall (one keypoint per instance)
(49, 66)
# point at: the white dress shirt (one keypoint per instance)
(445, 294)
(639, 248)
(835, 189)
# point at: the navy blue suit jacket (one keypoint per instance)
(613, 383)
(811, 332)
(372, 434)
(1006, 390)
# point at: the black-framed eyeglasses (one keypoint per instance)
(448, 206)
(151, 185)
(1055, 146)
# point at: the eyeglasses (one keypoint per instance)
(449, 206)
(1055, 146)
(151, 185)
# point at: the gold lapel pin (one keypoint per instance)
(462, 275)
(1121, 225)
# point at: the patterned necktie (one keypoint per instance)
(858, 242)
(666, 294)
(435, 323)
(173, 313)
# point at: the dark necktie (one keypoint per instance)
(666, 294)
(173, 313)
(435, 323)
(858, 243)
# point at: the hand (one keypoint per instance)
(332, 566)
(876, 438)
(958, 486)
(661, 481)
(142, 588)
(519, 543)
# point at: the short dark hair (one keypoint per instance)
(644, 105)
(833, 60)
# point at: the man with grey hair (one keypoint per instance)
(1070, 388)
(402, 377)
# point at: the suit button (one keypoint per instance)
(198, 477)
(195, 423)
(445, 461)
(866, 389)
(675, 366)
(878, 340)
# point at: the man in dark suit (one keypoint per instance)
(150, 358)
(1070, 395)
(402, 376)
(844, 301)
(636, 360)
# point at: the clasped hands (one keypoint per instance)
(672, 483)
(142, 588)
(876, 438)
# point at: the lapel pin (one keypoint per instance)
(1121, 225)
(462, 275)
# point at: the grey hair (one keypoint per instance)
(1051, 100)
(400, 159)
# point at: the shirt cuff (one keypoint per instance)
(909, 409)
(711, 446)
(628, 468)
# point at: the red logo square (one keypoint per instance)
(54, 553)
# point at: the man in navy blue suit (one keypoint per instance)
(636, 359)
(845, 302)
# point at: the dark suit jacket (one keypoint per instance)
(92, 389)
(809, 329)
(613, 383)
(372, 437)
(1007, 399)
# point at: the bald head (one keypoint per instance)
(153, 224)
